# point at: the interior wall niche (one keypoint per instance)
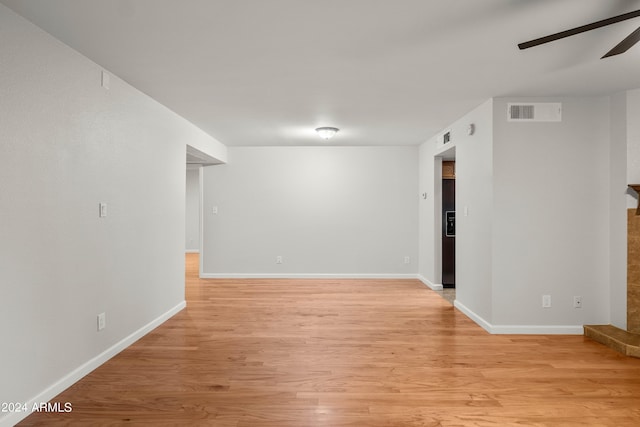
(448, 169)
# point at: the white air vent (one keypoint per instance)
(535, 112)
(446, 138)
(443, 138)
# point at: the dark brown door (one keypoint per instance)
(448, 233)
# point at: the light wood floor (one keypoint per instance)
(347, 353)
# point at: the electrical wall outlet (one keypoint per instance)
(279, 259)
(102, 210)
(577, 302)
(102, 321)
(407, 260)
(546, 301)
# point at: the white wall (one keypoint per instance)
(551, 204)
(633, 144)
(192, 211)
(474, 191)
(326, 210)
(67, 144)
(428, 238)
(617, 210)
(539, 204)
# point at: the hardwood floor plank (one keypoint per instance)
(346, 353)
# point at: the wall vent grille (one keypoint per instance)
(535, 112)
(521, 112)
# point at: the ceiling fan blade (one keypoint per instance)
(578, 30)
(625, 44)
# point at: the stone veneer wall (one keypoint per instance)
(633, 271)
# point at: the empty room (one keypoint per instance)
(319, 213)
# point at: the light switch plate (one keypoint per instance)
(102, 321)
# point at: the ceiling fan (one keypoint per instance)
(621, 47)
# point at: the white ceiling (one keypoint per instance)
(386, 72)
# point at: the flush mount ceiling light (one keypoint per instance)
(327, 132)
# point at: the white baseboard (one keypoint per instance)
(538, 330)
(519, 329)
(433, 286)
(74, 376)
(473, 316)
(192, 251)
(303, 276)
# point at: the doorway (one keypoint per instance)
(448, 224)
(194, 229)
(192, 209)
